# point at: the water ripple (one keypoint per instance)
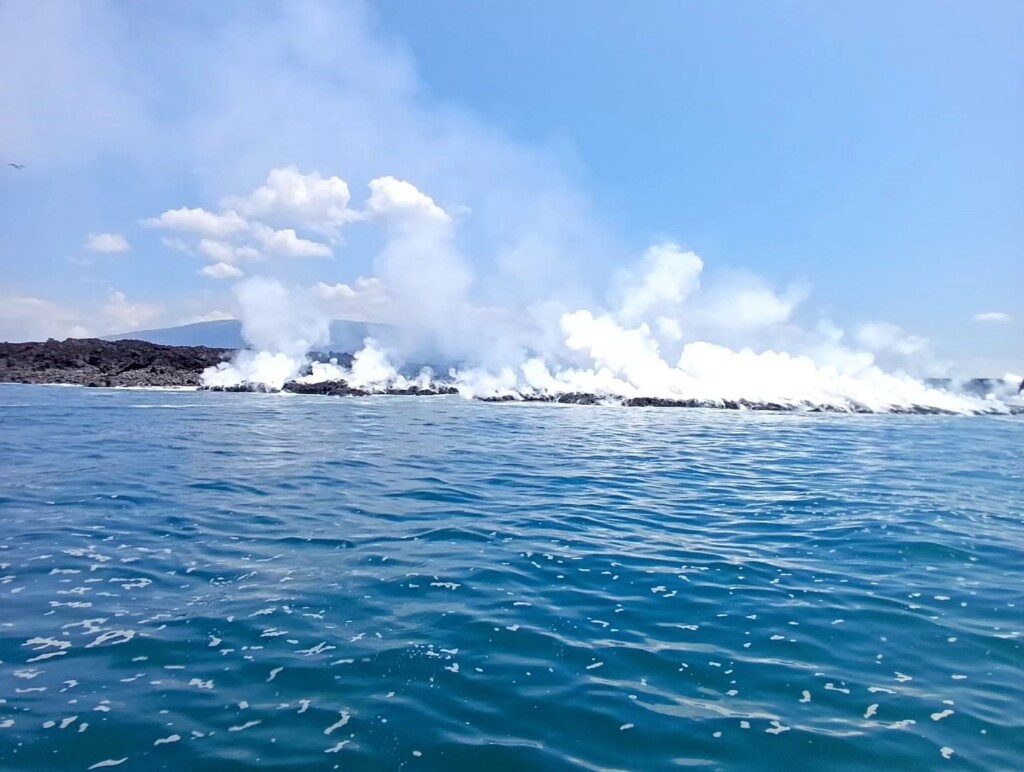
(212, 581)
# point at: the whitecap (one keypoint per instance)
(345, 716)
(108, 763)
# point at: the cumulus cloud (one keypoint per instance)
(209, 316)
(222, 271)
(365, 300)
(106, 243)
(124, 316)
(228, 238)
(398, 198)
(421, 280)
(178, 245)
(286, 243)
(364, 114)
(993, 316)
(30, 318)
(289, 196)
(222, 252)
(200, 222)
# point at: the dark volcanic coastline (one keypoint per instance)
(135, 363)
(94, 362)
(138, 364)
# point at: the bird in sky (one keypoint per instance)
(17, 166)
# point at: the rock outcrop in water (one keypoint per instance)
(581, 398)
(93, 362)
(343, 389)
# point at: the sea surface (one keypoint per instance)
(197, 581)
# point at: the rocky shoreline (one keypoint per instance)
(138, 364)
(94, 362)
(343, 389)
(340, 388)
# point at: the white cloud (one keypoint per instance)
(29, 318)
(248, 253)
(222, 252)
(993, 316)
(124, 316)
(210, 316)
(178, 245)
(390, 196)
(305, 199)
(286, 195)
(106, 243)
(222, 271)
(200, 222)
(363, 301)
(363, 114)
(285, 243)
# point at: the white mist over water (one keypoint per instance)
(661, 334)
(467, 248)
(281, 327)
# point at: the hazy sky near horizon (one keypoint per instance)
(869, 154)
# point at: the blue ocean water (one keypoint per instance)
(214, 581)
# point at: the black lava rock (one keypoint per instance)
(326, 388)
(94, 362)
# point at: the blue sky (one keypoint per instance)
(869, 153)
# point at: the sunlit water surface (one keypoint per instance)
(214, 581)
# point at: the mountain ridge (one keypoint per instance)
(346, 335)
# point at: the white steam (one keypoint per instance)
(667, 331)
(281, 327)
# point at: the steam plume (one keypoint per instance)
(664, 332)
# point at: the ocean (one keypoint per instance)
(193, 581)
